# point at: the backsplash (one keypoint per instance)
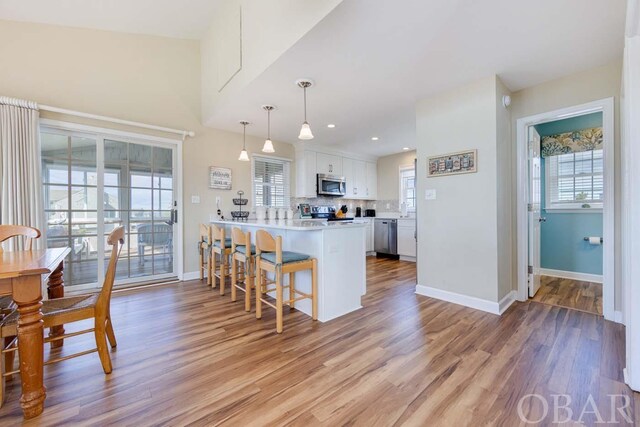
(352, 204)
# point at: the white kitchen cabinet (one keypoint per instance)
(306, 181)
(359, 179)
(349, 177)
(328, 164)
(407, 238)
(371, 183)
(369, 233)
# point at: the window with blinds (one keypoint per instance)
(271, 182)
(575, 180)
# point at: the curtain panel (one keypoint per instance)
(21, 199)
(572, 142)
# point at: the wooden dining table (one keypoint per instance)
(21, 276)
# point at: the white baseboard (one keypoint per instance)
(192, 275)
(594, 278)
(407, 258)
(468, 301)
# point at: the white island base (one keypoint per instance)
(340, 251)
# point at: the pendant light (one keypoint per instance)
(244, 156)
(305, 130)
(268, 144)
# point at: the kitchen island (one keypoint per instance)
(339, 248)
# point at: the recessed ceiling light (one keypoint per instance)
(331, 125)
(405, 148)
(374, 138)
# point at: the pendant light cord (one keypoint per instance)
(269, 124)
(305, 103)
(244, 136)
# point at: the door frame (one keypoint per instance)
(139, 138)
(606, 106)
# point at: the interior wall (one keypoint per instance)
(590, 85)
(505, 219)
(141, 78)
(458, 244)
(389, 178)
(562, 245)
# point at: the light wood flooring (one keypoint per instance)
(187, 356)
(575, 294)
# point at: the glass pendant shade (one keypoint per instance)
(244, 156)
(305, 131)
(268, 147)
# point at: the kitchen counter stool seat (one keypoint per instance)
(270, 258)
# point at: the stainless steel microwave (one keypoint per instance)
(331, 185)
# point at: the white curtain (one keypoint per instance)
(21, 188)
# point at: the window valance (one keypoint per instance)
(572, 142)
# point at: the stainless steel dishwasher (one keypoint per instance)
(386, 236)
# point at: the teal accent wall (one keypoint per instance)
(561, 237)
(592, 120)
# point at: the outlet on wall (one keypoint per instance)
(430, 194)
(218, 201)
(195, 199)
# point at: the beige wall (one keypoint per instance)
(149, 79)
(458, 237)
(389, 174)
(590, 85)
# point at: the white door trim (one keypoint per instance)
(607, 107)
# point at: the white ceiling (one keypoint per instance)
(170, 18)
(373, 59)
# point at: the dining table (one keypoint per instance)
(22, 274)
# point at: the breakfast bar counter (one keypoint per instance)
(339, 248)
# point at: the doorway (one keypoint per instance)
(95, 180)
(566, 207)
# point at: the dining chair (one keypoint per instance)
(61, 311)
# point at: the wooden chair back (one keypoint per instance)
(205, 233)
(116, 240)
(265, 242)
(9, 231)
(240, 238)
(217, 234)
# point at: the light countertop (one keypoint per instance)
(294, 224)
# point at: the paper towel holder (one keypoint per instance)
(586, 239)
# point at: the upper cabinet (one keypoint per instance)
(361, 176)
(328, 164)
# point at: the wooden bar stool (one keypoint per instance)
(271, 258)
(243, 255)
(204, 250)
(222, 247)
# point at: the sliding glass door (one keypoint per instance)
(94, 183)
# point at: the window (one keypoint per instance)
(408, 187)
(271, 183)
(575, 180)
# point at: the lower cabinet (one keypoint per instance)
(407, 238)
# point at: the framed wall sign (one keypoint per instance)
(219, 178)
(452, 163)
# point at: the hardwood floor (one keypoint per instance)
(187, 356)
(575, 294)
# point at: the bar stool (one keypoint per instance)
(243, 254)
(222, 247)
(204, 250)
(271, 258)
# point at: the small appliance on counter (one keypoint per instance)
(358, 212)
(329, 213)
(305, 211)
(369, 212)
